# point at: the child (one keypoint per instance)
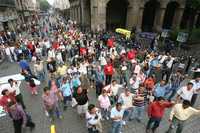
(33, 87)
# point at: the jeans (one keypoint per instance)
(108, 79)
(176, 124)
(127, 114)
(138, 112)
(67, 100)
(53, 111)
(116, 126)
(153, 123)
(41, 76)
(173, 93)
(99, 86)
(105, 113)
(193, 100)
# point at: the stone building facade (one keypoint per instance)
(146, 15)
(8, 15)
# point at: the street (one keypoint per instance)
(71, 123)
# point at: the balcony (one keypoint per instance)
(7, 3)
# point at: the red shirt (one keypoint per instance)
(55, 45)
(6, 99)
(83, 51)
(110, 43)
(157, 110)
(131, 54)
(30, 46)
(108, 69)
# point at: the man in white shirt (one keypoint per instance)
(186, 92)
(179, 115)
(196, 87)
(51, 53)
(113, 90)
(8, 53)
(116, 115)
(126, 98)
(14, 87)
(93, 119)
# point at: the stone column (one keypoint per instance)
(178, 17)
(94, 9)
(132, 14)
(101, 15)
(98, 14)
(78, 15)
(140, 18)
(159, 16)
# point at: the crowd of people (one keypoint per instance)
(127, 79)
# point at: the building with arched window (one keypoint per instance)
(145, 15)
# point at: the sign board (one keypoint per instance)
(165, 33)
(182, 37)
(147, 35)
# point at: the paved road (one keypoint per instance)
(71, 123)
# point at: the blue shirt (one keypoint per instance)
(99, 76)
(154, 62)
(24, 64)
(66, 89)
(76, 82)
(160, 90)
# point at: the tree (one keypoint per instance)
(44, 5)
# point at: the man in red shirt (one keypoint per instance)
(6, 99)
(156, 111)
(108, 71)
(110, 43)
(131, 54)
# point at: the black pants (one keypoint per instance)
(20, 100)
(18, 125)
(91, 130)
(108, 79)
(99, 87)
(193, 100)
(153, 124)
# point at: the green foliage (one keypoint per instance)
(44, 5)
(194, 4)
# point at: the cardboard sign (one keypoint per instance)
(182, 37)
(165, 33)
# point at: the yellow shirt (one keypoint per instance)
(183, 114)
(62, 70)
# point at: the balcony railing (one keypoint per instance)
(7, 3)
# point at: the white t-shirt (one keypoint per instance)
(126, 100)
(7, 50)
(114, 88)
(196, 85)
(90, 118)
(115, 113)
(185, 94)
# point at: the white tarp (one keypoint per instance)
(18, 77)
